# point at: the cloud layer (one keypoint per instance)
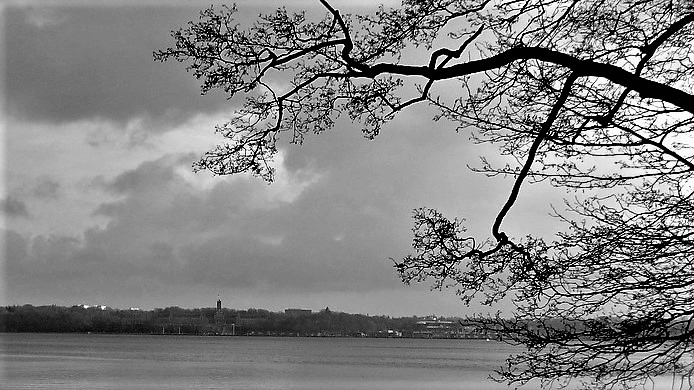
(67, 64)
(101, 204)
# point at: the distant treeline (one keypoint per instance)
(28, 318)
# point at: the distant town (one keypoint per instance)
(220, 321)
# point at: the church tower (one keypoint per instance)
(218, 317)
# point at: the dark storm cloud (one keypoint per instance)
(156, 234)
(96, 62)
(335, 234)
(45, 188)
(165, 231)
(14, 208)
(148, 175)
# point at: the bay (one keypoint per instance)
(96, 361)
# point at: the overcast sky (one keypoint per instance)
(101, 206)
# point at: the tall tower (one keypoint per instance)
(218, 320)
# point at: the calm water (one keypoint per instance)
(67, 361)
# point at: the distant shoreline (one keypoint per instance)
(229, 322)
(243, 335)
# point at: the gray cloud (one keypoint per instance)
(165, 238)
(14, 208)
(178, 235)
(45, 188)
(44, 17)
(335, 237)
(98, 63)
(149, 175)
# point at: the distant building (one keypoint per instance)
(220, 325)
(85, 306)
(297, 312)
(218, 316)
(390, 333)
(432, 327)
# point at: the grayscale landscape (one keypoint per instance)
(334, 194)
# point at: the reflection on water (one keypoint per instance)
(60, 361)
